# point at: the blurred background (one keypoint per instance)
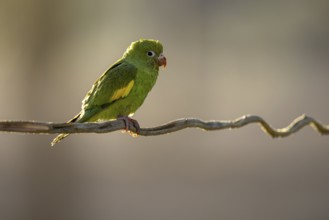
(225, 59)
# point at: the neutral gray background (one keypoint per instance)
(225, 59)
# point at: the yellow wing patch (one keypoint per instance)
(123, 92)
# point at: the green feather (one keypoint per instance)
(122, 89)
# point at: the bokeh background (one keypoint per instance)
(225, 59)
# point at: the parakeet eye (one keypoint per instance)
(150, 53)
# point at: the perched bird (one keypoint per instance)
(122, 89)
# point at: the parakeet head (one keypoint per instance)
(146, 52)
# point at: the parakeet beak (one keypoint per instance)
(162, 61)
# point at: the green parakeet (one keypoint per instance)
(122, 89)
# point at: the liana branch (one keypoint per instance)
(179, 124)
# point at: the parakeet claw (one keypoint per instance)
(128, 122)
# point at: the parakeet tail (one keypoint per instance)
(58, 139)
(64, 135)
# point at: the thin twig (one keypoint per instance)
(179, 124)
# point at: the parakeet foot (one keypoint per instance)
(128, 122)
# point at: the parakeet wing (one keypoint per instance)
(114, 84)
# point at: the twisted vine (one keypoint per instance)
(173, 126)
